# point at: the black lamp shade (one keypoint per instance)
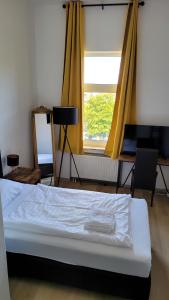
(12, 160)
(65, 115)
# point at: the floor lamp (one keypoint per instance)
(65, 116)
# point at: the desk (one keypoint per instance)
(131, 159)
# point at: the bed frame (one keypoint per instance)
(125, 286)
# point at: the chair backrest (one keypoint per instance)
(145, 168)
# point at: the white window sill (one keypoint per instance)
(94, 151)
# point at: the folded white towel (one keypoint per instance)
(101, 221)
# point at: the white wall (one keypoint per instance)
(15, 79)
(49, 39)
(153, 63)
(104, 31)
(4, 287)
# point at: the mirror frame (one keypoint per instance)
(43, 110)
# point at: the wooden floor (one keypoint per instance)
(159, 226)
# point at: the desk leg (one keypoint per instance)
(119, 175)
(163, 179)
(128, 176)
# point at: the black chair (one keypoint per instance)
(144, 173)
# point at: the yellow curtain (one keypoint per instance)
(125, 104)
(72, 89)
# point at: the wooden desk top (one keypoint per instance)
(25, 175)
(131, 159)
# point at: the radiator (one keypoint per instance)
(104, 168)
(95, 167)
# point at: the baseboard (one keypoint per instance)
(97, 181)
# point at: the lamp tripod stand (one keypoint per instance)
(65, 116)
(65, 128)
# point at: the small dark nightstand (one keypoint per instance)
(25, 175)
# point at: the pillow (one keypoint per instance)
(9, 190)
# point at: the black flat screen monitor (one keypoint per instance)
(146, 136)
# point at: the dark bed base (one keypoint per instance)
(130, 287)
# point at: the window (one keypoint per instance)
(101, 70)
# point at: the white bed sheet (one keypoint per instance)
(64, 212)
(135, 261)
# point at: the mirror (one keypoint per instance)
(44, 144)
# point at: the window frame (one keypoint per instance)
(98, 146)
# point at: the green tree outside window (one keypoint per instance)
(98, 110)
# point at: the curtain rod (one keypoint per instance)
(141, 3)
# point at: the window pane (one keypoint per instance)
(98, 110)
(101, 70)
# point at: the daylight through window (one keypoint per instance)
(101, 70)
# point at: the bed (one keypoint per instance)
(35, 251)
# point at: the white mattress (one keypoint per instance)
(134, 261)
(45, 159)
